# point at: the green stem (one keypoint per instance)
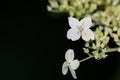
(112, 50)
(108, 51)
(87, 58)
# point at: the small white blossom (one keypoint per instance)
(70, 63)
(80, 29)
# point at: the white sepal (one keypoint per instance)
(73, 22)
(73, 73)
(69, 56)
(87, 34)
(73, 34)
(64, 68)
(74, 64)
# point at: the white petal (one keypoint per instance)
(73, 73)
(74, 64)
(73, 34)
(73, 22)
(69, 56)
(86, 22)
(64, 68)
(87, 34)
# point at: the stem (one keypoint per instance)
(108, 51)
(112, 50)
(87, 58)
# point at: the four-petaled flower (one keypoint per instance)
(80, 29)
(70, 63)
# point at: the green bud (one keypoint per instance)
(103, 55)
(94, 46)
(95, 54)
(115, 28)
(71, 11)
(86, 50)
(93, 7)
(53, 4)
(102, 45)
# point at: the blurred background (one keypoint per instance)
(33, 44)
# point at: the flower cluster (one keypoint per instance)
(105, 15)
(70, 63)
(80, 8)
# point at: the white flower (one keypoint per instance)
(80, 29)
(70, 63)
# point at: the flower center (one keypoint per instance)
(80, 28)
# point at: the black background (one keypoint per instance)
(33, 43)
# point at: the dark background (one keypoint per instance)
(33, 44)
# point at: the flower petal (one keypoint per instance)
(87, 34)
(74, 64)
(73, 73)
(73, 22)
(69, 56)
(73, 34)
(86, 22)
(64, 68)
